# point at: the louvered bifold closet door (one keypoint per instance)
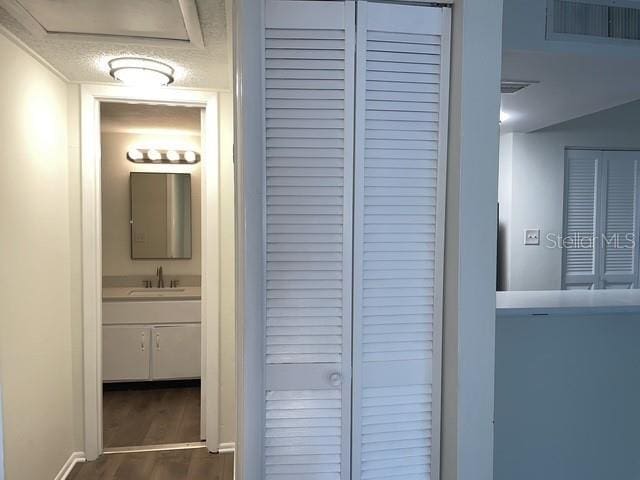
(619, 260)
(309, 51)
(402, 63)
(578, 242)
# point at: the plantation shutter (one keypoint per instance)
(309, 50)
(401, 120)
(619, 258)
(581, 189)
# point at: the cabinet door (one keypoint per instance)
(125, 353)
(401, 107)
(176, 352)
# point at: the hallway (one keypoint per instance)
(191, 464)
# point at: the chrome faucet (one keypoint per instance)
(160, 277)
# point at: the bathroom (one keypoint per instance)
(151, 164)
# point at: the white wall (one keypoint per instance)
(470, 250)
(37, 261)
(538, 184)
(116, 230)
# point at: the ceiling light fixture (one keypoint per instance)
(504, 116)
(141, 72)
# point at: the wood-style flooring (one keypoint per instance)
(191, 464)
(151, 416)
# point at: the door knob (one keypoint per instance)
(335, 379)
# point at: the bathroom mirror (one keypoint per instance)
(160, 215)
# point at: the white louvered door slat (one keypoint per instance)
(309, 50)
(401, 105)
(619, 259)
(581, 193)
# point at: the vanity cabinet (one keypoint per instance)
(151, 340)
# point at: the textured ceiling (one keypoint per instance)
(144, 118)
(82, 60)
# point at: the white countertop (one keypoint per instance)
(120, 294)
(567, 302)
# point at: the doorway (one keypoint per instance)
(151, 275)
(93, 100)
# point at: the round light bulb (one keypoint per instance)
(154, 155)
(173, 156)
(135, 155)
(190, 156)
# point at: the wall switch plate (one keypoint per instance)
(532, 236)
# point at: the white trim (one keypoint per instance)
(187, 8)
(249, 133)
(91, 95)
(227, 447)
(445, 67)
(192, 22)
(155, 448)
(74, 458)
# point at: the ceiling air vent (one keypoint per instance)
(514, 86)
(607, 20)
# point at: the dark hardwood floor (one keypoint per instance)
(144, 415)
(191, 464)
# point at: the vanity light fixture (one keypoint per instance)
(154, 155)
(141, 72)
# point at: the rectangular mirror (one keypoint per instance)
(160, 215)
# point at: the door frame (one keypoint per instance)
(91, 95)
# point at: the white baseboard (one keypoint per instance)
(227, 447)
(75, 457)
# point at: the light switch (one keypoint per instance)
(532, 236)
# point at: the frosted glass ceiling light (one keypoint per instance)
(141, 72)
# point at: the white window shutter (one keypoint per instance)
(619, 219)
(581, 193)
(401, 118)
(309, 50)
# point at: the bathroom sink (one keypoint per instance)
(132, 294)
(155, 292)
